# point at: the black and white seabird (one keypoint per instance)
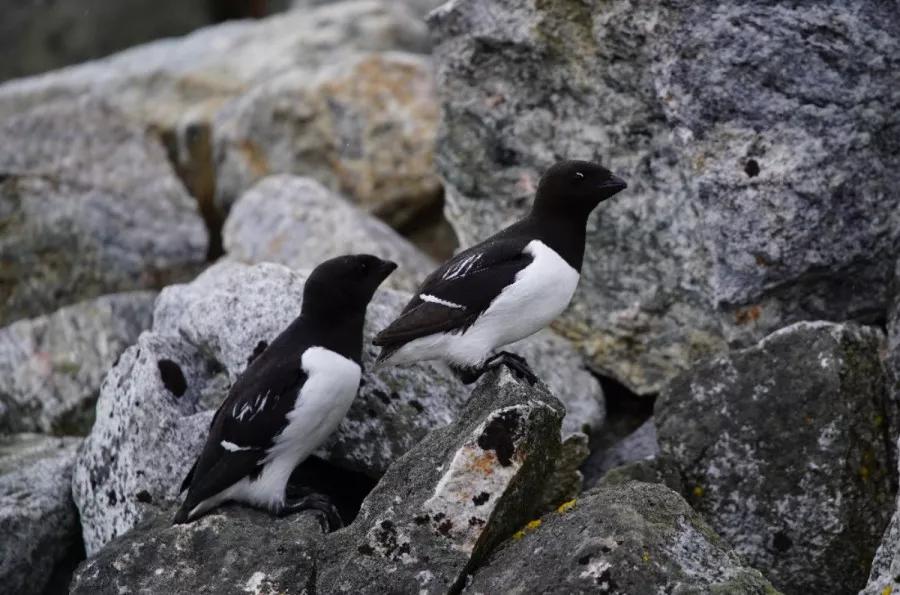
(290, 398)
(506, 288)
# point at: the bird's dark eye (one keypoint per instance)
(579, 176)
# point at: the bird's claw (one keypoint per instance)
(327, 514)
(516, 364)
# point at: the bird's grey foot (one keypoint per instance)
(328, 515)
(516, 364)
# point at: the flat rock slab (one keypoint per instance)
(630, 538)
(38, 520)
(51, 366)
(782, 448)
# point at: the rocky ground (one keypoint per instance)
(718, 411)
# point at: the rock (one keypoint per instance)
(364, 126)
(299, 223)
(657, 469)
(741, 216)
(231, 550)
(38, 521)
(441, 508)
(630, 538)
(88, 210)
(51, 366)
(640, 445)
(782, 448)
(419, 8)
(155, 405)
(885, 574)
(176, 86)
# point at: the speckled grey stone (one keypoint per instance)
(230, 551)
(784, 451)
(441, 508)
(630, 538)
(299, 223)
(686, 100)
(89, 205)
(38, 520)
(51, 366)
(884, 576)
(637, 446)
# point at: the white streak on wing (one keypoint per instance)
(232, 447)
(461, 268)
(436, 300)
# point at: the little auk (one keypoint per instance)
(506, 288)
(290, 398)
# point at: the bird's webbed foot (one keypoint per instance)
(516, 364)
(328, 514)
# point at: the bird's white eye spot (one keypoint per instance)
(578, 174)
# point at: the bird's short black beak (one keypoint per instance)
(612, 186)
(387, 267)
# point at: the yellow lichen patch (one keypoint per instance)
(887, 590)
(531, 526)
(645, 556)
(879, 421)
(566, 506)
(698, 491)
(864, 473)
(518, 535)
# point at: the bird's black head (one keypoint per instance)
(344, 285)
(575, 188)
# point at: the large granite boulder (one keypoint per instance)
(756, 140)
(440, 509)
(783, 451)
(231, 550)
(88, 209)
(631, 538)
(299, 223)
(38, 520)
(156, 404)
(51, 366)
(364, 126)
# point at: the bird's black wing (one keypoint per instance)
(454, 295)
(244, 427)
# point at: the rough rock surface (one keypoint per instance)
(176, 86)
(784, 451)
(300, 223)
(38, 521)
(232, 550)
(885, 574)
(88, 210)
(640, 445)
(364, 126)
(152, 418)
(420, 8)
(741, 215)
(631, 538)
(51, 367)
(441, 508)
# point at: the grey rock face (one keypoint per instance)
(152, 418)
(690, 257)
(51, 366)
(640, 445)
(439, 509)
(782, 448)
(38, 520)
(364, 126)
(631, 538)
(232, 550)
(420, 8)
(885, 572)
(299, 223)
(88, 209)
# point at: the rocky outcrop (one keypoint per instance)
(300, 223)
(783, 451)
(441, 508)
(38, 521)
(51, 366)
(639, 445)
(742, 215)
(88, 209)
(364, 126)
(632, 538)
(884, 576)
(155, 405)
(232, 550)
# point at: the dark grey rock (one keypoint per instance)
(687, 100)
(38, 520)
(884, 577)
(88, 210)
(232, 550)
(639, 445)
(51, 366)
(783, 450)
(659, 469)
(629, 538)
(440, 509)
